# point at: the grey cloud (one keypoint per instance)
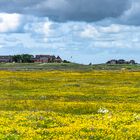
(64, 10)
(132, 15)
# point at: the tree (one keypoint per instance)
(90, 64)
(27, 58)
(65, 61)
(23, 58)
(17, 58)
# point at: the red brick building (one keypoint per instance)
(47, 59)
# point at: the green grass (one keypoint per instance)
(43, 66)
(65, 67)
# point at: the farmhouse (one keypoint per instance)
(112, 62)
(5, 59)
(42, 58)
(58, 59)
(121, 61)
(47, 59)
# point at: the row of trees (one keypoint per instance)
(23, 58)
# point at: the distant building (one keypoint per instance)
(42, 58)
(36, 59)
(132, 62)
(120, 61)
(58, 59)
(112, 62)
(5, 59)
(47, 59)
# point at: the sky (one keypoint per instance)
(81, 31)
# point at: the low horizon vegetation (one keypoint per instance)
(67, 66)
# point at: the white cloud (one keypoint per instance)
(114, 28)
(38, 26)
(9, 22)
(89, 32)
(47, 28)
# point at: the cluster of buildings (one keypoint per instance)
(5, 59)
(121, 61)
(47, 59)
(34, 59)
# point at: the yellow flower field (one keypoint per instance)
(69, 105)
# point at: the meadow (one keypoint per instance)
(69, 104)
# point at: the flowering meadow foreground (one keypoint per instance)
(69, 105)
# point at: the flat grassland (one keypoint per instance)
(70, 105)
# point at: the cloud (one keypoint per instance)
(47, 28)
(113, 28)
(9, 22)
(117, 11)
(66, 10)
(89, 32)
(94, 31)
(53, 4)
(132, 15)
